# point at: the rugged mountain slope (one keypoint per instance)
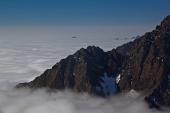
(141, 65)
(148, 66)
(88, 70)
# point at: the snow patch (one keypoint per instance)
(133, 94)
(118, 78)
(108, 85)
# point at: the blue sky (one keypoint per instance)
(83, 12)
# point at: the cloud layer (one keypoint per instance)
(41, 101)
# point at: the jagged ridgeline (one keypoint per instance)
(142, 65)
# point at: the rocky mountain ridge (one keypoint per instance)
(82, 72)
(142, 65)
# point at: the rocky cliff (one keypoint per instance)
(88, 70)
(142, 65)
(147, 69)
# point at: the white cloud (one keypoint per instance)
(26, 101)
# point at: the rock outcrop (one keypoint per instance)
(147, 69)
(88, 70)
(142, 65)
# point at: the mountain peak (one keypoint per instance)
(142, 65)
(166, 19)
(165, 24)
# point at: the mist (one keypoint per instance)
(42, 101)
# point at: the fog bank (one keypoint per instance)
(41, 101)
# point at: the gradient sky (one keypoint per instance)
(83, 12)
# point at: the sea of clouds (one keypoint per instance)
(26, 54)
(41, 101)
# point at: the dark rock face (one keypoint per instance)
(143, 65)
(82, 71)
(124, 50)
(147, 69)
